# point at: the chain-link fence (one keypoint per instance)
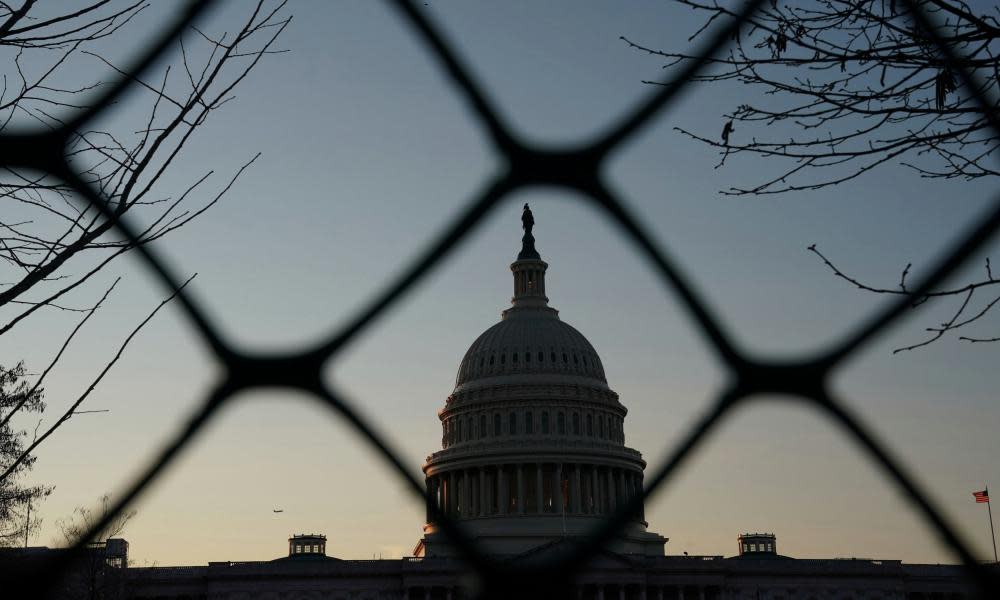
(577, 167)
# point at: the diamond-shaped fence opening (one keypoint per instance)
(576, 167)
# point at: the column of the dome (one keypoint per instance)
(482, 492)
(465, 494)
(450, 493)
(575, 504)
(642, 505)
(539, 499)
(633, 495)
(462, 495)
(557, 498)
(595, 483)
(622, 493)
(612, 500)
(503, 495)
(593, 491)
(520, 489)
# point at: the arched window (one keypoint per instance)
(553, 356)
(565, 359)
(545, 422)
(529, 426)
(590, 425)
(576, 423)
(514, 356)
(512, 423)
(562, 423)
(527, 357)
(576, 359)
(496, 424)
(503, 358)
(541, 356)
(482, 426)
(492, 357)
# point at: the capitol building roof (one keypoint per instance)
(530, 342)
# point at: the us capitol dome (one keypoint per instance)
(533, 445)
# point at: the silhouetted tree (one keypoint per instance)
(51, 241)
(16, 498)
(97, 574)
(848, 86)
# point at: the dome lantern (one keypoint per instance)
(528, 269)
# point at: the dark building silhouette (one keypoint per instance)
(533, 457)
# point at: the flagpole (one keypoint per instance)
(993, 536)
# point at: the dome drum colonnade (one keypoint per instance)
(533, 444)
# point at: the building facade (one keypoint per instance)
(533, 458)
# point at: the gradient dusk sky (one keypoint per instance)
(366, 152)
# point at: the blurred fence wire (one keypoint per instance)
(575, 167)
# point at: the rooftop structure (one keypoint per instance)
(757, 545)
(307, 544)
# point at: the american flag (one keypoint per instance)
(983, 496)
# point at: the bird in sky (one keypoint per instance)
(279, 510)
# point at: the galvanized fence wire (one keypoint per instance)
(575, 167)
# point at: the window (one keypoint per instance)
(496, 424)
(458, 433)
(514, 356)
(746, 547)
(753, 547)
(562, 423)
(590, 425)
(576, 423)
(491, 359)
(512, 423)
(553, 356)
(545, 422)
(565, 359)
(527, 357)
(503, 358)
(528, 425)
(470, 429)
(769, 546)
(541, 356)
(482, 426)
(600, 427)
(576, 359)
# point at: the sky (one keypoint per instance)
(367, 151)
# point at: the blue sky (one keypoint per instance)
(367, 151)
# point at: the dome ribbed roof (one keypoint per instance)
(530, 342)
